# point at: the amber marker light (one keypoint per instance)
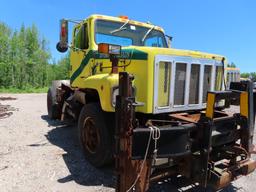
(109, 49)
(123, 17)
(103, 48)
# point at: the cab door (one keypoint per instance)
(79, 50)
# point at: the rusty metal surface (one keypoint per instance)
(191, 118)
(129, 172)
(224, 180)
(232, 173)
(210, 162)
(162, 174)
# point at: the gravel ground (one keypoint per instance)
(37, 154)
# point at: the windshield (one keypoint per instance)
(126, 34)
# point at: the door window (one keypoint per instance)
(81, 40)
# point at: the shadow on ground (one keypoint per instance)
(64, 135)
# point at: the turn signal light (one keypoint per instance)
(64, 31)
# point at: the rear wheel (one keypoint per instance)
(94, 136)
(52, 107)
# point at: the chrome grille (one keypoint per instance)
(181, 83)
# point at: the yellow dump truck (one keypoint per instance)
(157, 111)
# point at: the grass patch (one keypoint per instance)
(24, 90)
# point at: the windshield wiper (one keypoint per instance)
(146, 34)
(120, 28)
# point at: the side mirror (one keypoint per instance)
(62, 45)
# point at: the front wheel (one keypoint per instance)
(94, 136)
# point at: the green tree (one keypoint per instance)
(5, 68)
(24, 59)
(251, 75)
(232, 65)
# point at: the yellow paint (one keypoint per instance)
(143, 70)
(107, 81)
(210, 105)
(76, 56)
(244, 104)
(219, 78)
(232, 69)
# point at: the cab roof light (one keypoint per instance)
(123, 17)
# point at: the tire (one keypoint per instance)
(94, 136)
(52, 107)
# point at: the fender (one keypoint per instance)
(103, 84)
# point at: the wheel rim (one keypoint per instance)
(90, 135)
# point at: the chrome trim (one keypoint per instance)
(187, 60)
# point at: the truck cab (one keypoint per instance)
(167, 79)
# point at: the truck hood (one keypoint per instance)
(152, 51)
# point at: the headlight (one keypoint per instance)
(115, 92)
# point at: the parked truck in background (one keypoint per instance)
(156, 110)
(232, 75)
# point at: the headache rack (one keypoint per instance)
(209, 147)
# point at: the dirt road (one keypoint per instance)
(37, 154)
